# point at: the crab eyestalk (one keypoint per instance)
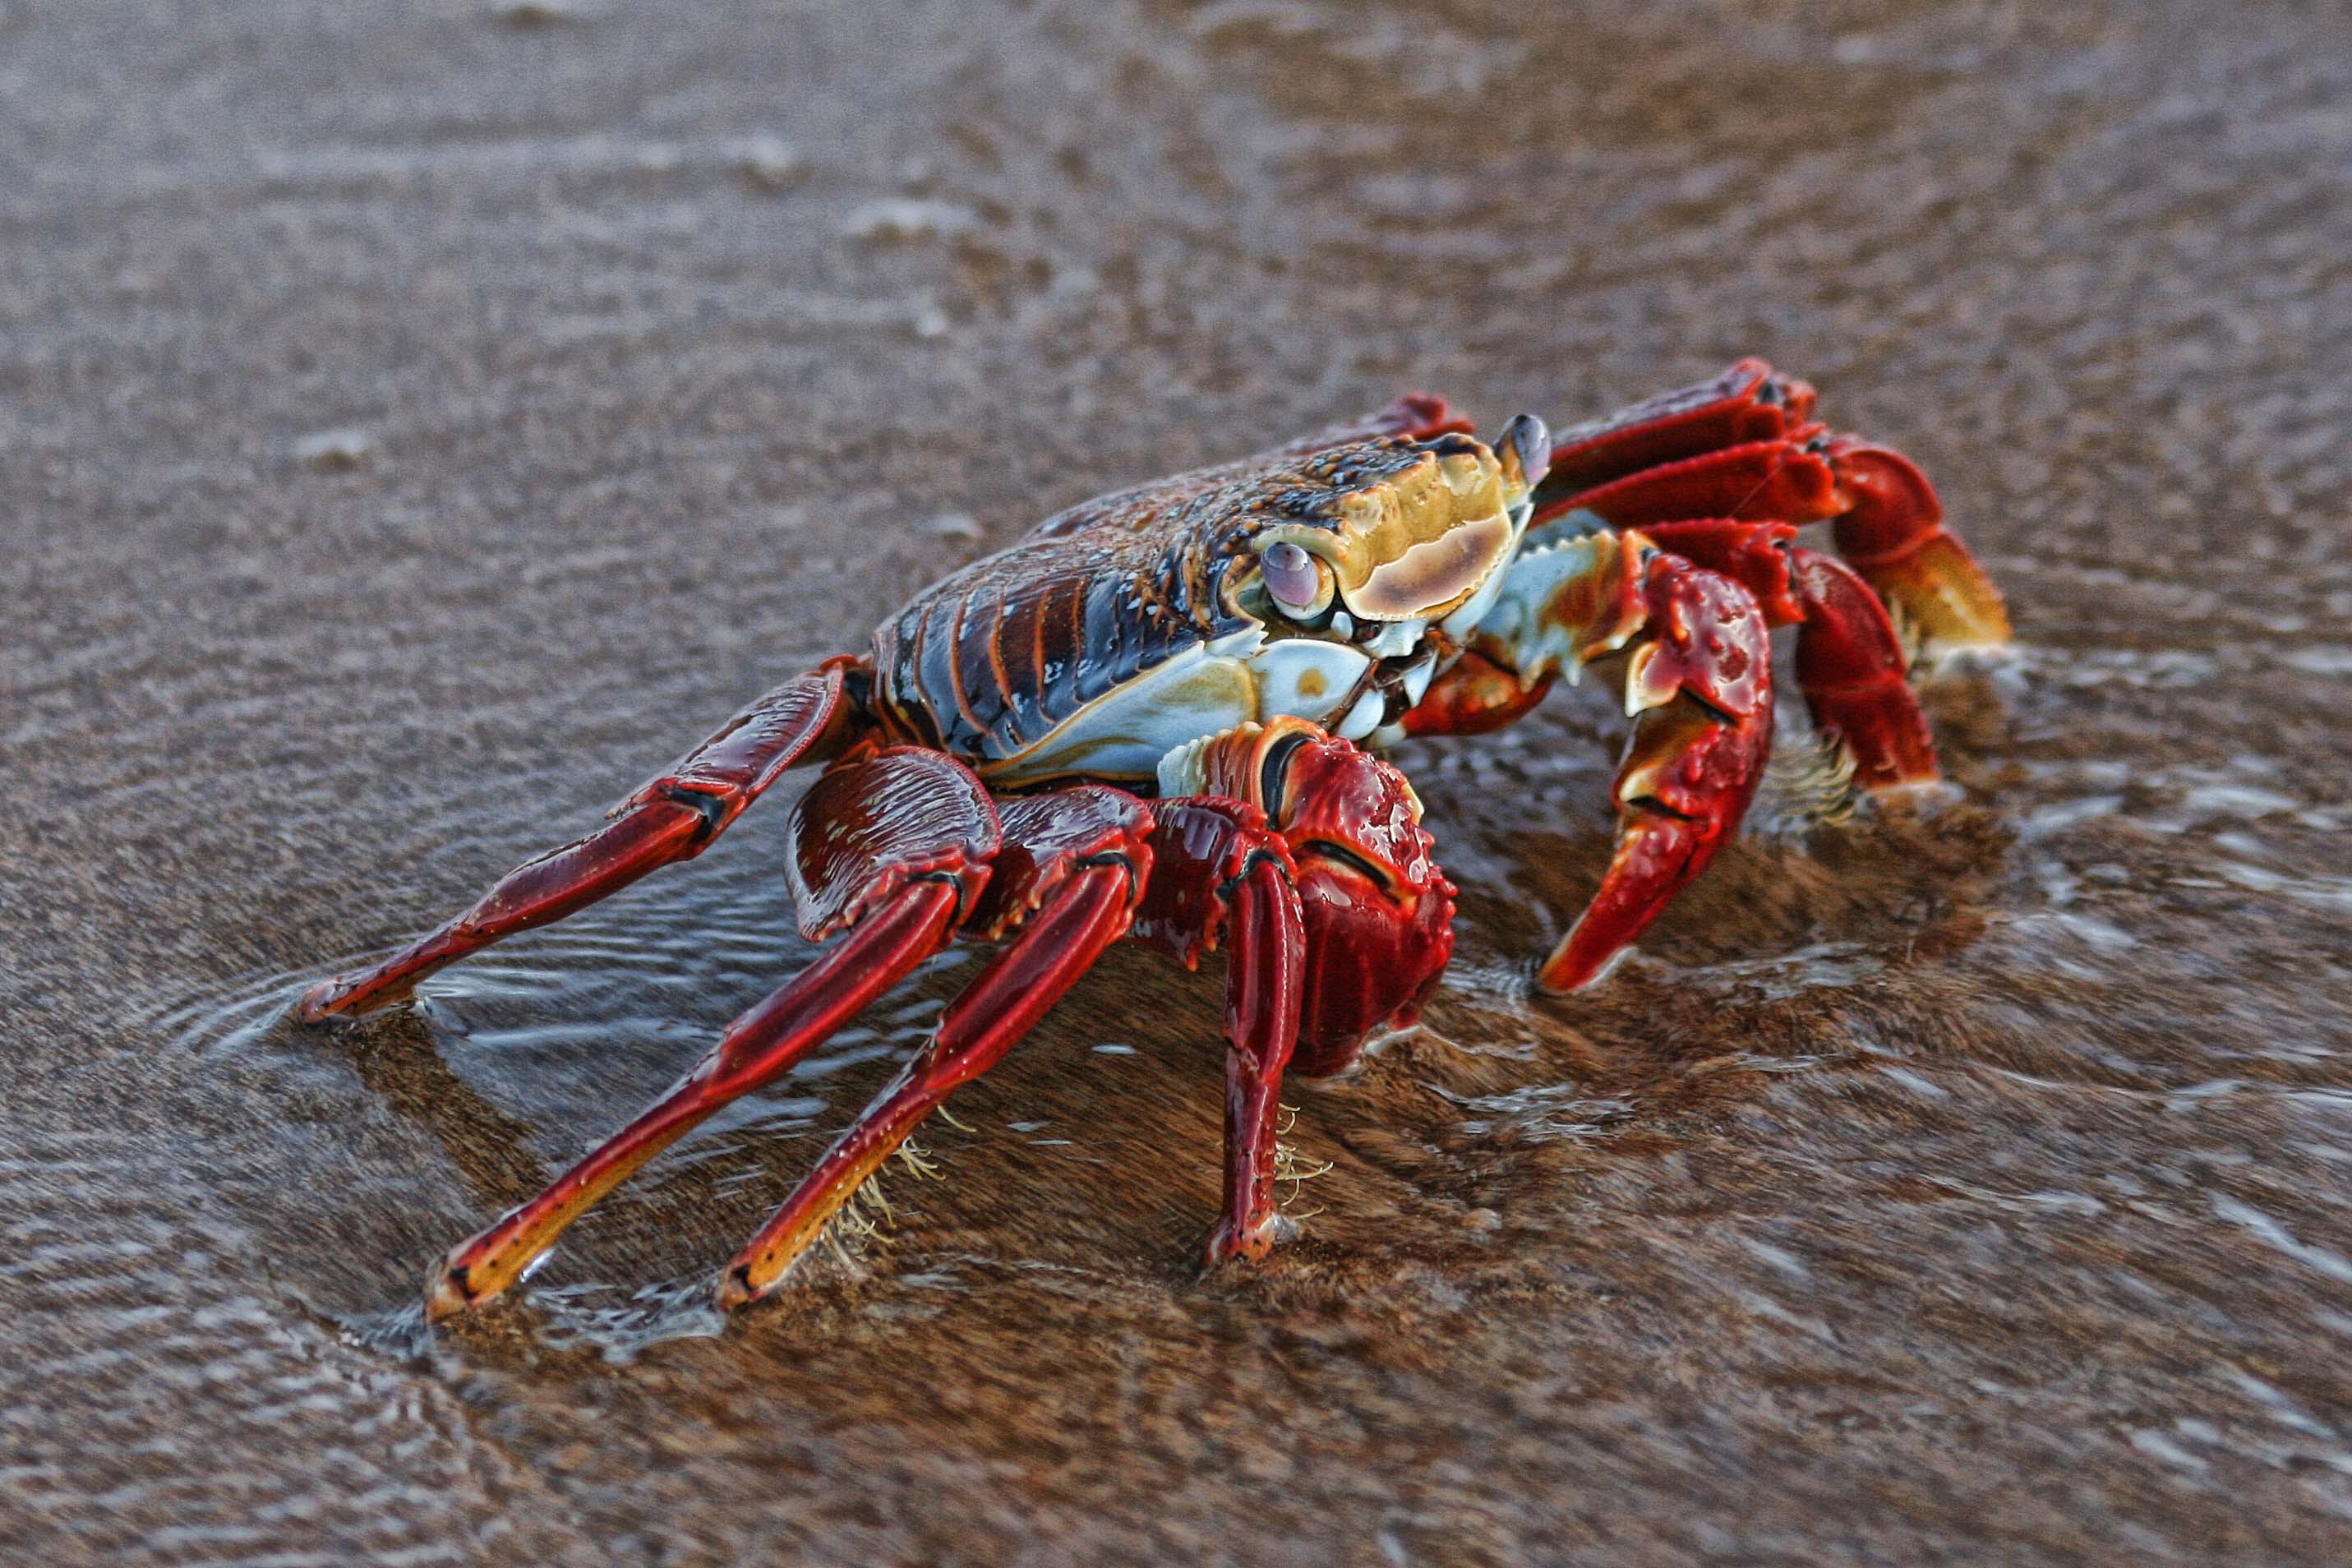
(1525, 450)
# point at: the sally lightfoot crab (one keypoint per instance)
(1154, 719)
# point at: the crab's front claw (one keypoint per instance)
(1686, 781)
(1377, 910)
(1893, 533)
(1699, 680)
(1378, 913)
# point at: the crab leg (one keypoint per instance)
(1850, 668)
(1265, 970)
(1745, 446)
(673, 817)
(1746, 403)
(757, 1048)
(1020, 984)
(1892, 532)
(903, 880)
(1221, 876)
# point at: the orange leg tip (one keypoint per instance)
(1914, 797)
(449, 1290)
(760, 1270)
(740, 1284)
(1254, 1243)
(1943, 593)
(735, 1290)
(340, 997)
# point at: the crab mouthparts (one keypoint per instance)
(1433, 575)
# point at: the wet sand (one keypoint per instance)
(416, 427)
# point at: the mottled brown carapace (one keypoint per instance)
(991, 661)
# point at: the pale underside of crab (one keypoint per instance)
(1156, 718)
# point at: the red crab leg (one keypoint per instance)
(671, 817)
(757, 1048)
(1746, 403)
(1892, 532)
(1850, 668)
(1685, 784)
(897, 844)
(1778, 480)
(1744, 446)
(1024, 979)
(1474, 696)
(1264, 972)
(1218, 873)
(1850, 664)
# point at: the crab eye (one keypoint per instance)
(1300, 584)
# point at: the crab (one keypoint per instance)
(1156, 719)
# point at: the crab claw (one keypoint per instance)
(1378, 912)
(1685, 783)
(1700, 682)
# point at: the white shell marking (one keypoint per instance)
(1305, 677)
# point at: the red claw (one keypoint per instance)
(1703, 680)
(1379, 913)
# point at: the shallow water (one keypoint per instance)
(418, 427)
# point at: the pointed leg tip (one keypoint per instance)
(736, 1291)
(1251, 1244)
(448, 1291)
(345, 996)
(1920, 797)
(320, 1002)
(1571, 970)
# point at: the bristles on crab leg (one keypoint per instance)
(1057, 945)
(757, 1049)
(1265, 961)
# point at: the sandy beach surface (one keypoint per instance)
(418, 423)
